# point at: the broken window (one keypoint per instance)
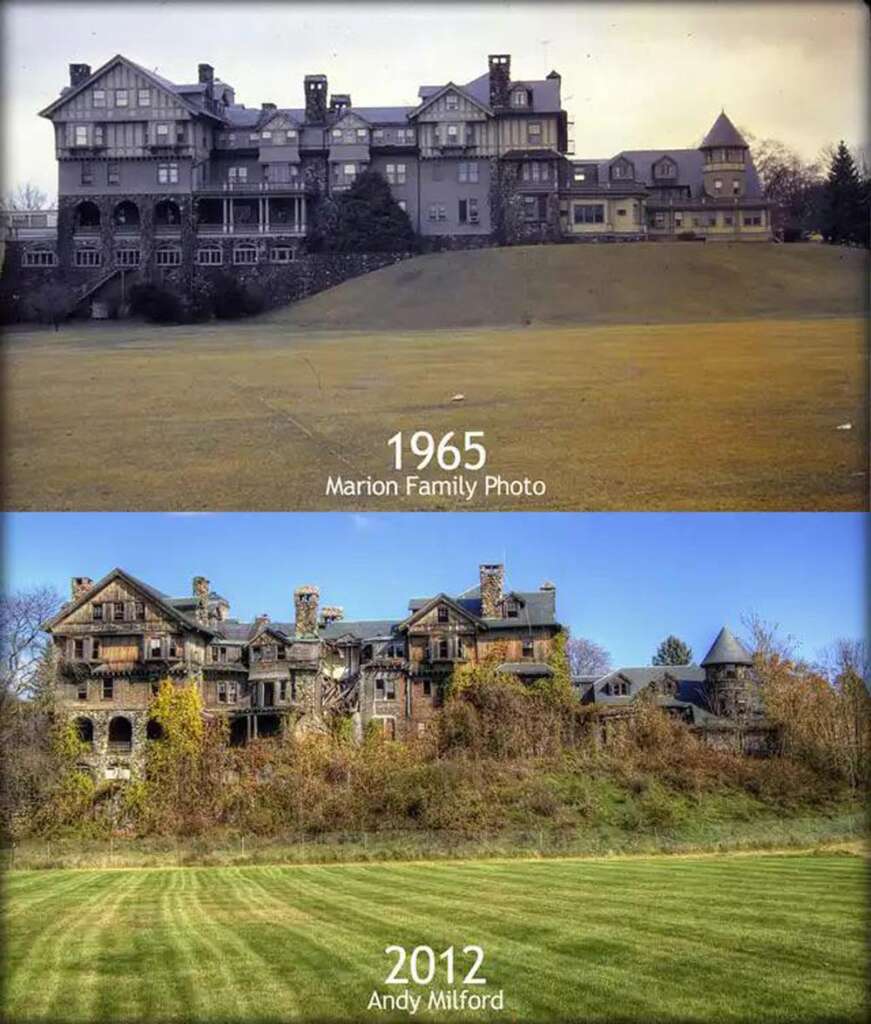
(82, 690)
(174, 650)
(443, 615)
(442, 650)
(118, 611)
(120, 735)
(282, 652)
(108, 689)
(385, 689)
(528, 649)
(85, 731)
(139, 610)
(95, 648)
(427, 687)
(511, 609)
(154, 647)
(79, 649)
(282, 690)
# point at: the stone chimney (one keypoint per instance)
(548, 586)
(260, 621)
(339, 101)
(201, 590)
(267, 108)
(492, 584)
(80, 585)
(79, 73)
(205, 74)
(500, 79)
(331, 613)
(305, 602)
(316, 98)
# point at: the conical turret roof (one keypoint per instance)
(727, 649)
(723, 134)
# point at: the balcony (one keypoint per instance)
(250, 188)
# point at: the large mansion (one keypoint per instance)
(115, 640)
(154, 175)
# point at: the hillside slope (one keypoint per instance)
(566, 284)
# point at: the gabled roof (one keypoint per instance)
(367, 629)
(153, 77)
(164, 602)
(439, 91)
(385, 115)
(727, 649)
(460, 607)
(724, 134)
(537, 607)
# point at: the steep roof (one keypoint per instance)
(366, 629)
(727, 649)
(723, 133)
(537, 607)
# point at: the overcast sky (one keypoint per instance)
(635, 76)
(626, 580)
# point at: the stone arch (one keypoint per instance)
(86, 214)
(85, 730)
(120, 735)
(167, 213)
(154, 730)
(126, 214)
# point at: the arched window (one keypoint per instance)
(126, 215)
(85, 730)
(245, 254)
(168, 256)
(120, 735)
(87, 215)
(154, 730)
(167, 214)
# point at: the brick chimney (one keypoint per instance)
(205, 74)
(316, 98)
(331, 613)
(339, 101)
(201, 590)
(79, 73)
(492, 585)
(80, 585)
(305, 603)
(267, 108)
(500, 79)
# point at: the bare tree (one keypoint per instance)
(766, 639)
(50, 304)
(23, 648)
(586, 657)
(27, 197)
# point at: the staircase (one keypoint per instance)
(89, 287)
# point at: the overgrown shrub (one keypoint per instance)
(233, 299)
(159, 304)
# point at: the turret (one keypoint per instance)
(729, 679)
(725, 153)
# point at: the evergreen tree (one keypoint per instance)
(673, 651)
(366, 218)
(845, 210)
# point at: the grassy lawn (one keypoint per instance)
(734, 414)
(763, 937)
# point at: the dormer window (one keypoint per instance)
(512, 609)
(665, 169)
(519, 98)
(623, 170)
(443, 614)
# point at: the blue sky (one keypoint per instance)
(625, 580)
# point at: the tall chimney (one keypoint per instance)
(80, 585)
(492, 584)
(331, 613)
(500, 79)
(205, 74)
(79, 73)
(305, 601)
(316, 98)
(260, 621)
(201, 591)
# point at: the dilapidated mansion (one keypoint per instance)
(156, 177)
(115, 640)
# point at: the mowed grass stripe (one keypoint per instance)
(761, 938)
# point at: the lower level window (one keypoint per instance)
(753, 219)
(593, 214)
(210, 257)
(168, 257)
(88, 258)
(128, 257)
(385, 689)
(245, 254)
(438, 211)
(82, 691)
(108, 689)
(281, 254)
(39, 258)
